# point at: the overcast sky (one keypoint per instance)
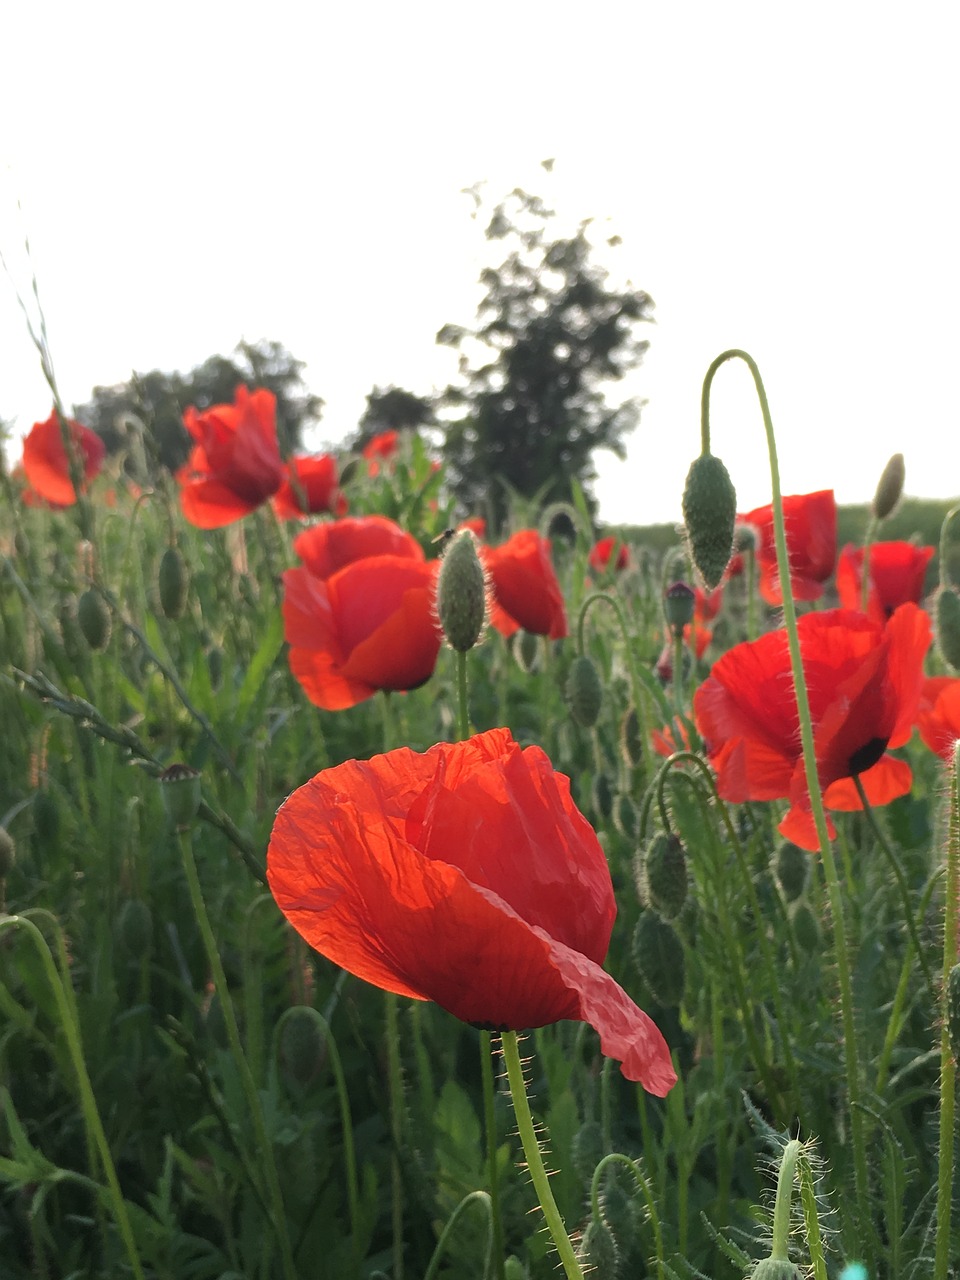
(784, 178)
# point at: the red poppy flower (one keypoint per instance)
(45, 460)
(235, 463)
(466, 876)
(369, 626)
(938, 715)
(863, 682)
(477, 525)
(380, 448)
(310, 485)
(602, 553)
(672, 737)
(897, 572)
(325, 548)
(707, 604)
(811, 528)
(524, 586)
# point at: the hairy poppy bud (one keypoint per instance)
(93, 618)
(172, 583)
(180, 789)
(46, 817)
(526, 649)
(302, 1044)
(889, 488)
(602, 795)
(709, 513)
(625, 816)
(513, 1269)
(597, 1250)
(946, 612)
(775, 1269)
(658, 954)
(665, 875)
(631, 744)
(950, 549)
(461, 592)
(953, 1012)
(215, 667)
(806, 927)
(587, 1149)
(134, 928)
(8, 853)
(584, 692)
(791, 866)
(678, 605)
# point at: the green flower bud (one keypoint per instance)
(302, 1045)
(513, 1269)
(953, 1012)
(709, 513)
(631, 744)
(946, 625)
(597, 1250)
(584, 692)
(806, 928)
(791, 866)
(618, 1209)
(601, 793)
(526, 649)
(8, 853)
(775, 1269)
(678, 604)
(93, 618)
(665, 875)
(215, 667)
(180, 789)
(172, 583)
(133, 928)
(890, 488)
(659, 957)
(950, 549)
(461, 592)
(587, 1149)
(46, 818)
(625, 816)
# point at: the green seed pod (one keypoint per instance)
(584, 692)
(93, 618)
(513, 1269)
(172, 583)
(21, 544)
(889, 488)
(302, 1045)
(946, 612)
(631, 744)
(709, 513)
(8, 853)
(526, 649)
(215, 667)
(180, 791)
(601, 794)
(587, 1149)
(133, 928)
(46, 818)
(791, 866)
(658, 954)
(626, 817)
(678, 604)
(665, 875)
(461, 592)
(74, 642)
(597, 1250)
(618, 1209)
(953, 1012)
(775, 1269)
(806, 928)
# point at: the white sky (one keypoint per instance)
(784, 179)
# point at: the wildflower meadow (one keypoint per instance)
(387, 896)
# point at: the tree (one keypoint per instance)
(158, 400)
(392, 409)
(552, 332)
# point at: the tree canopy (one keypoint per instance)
(551, 332)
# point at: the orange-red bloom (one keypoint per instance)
(325, 548)
(938, 715)
(381, 448)
(235, 463)
(810, 520)
(371, 625)
(466, 876)
(602, 553)
(45, 461)
(310, 485)
(897, 572)
(524, 585)
(863, 683)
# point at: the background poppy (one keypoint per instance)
(525, 591)
(810, 520)
(235, 462)
(938, 715)
(602, 553)
(310, 485)
(466, 876)
(897, 572)
(45, 461)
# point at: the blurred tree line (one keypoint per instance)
(527, 413)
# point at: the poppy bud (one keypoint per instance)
(775, 1269)
(619, 1211)
(597, 1250)
(678, 606)
(658, 954)
(93, 618)
(950, 549)
(584, 692)
(631, 744)
(180, 789)
(302, 1044)
(709, 513)
(8, 853)
(461, 592)
(526, 650)
(625, 816)
(513, 1269)
(665, 875)
(21, 544)
(215, 667)
(953, 1012)
(947, 625)
(587, 1149)
(172, 583)
(46, 818)
(890, 488)
(791, 865)
(74, 642)
(602, 795)
(806, 927)
(134, 928)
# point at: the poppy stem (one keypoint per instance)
(948, 1067)
(463, 709)
(490, 1127)
(628, 652)
(531, 1149)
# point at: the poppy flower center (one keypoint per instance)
(866, 757)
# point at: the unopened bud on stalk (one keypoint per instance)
(526, 650)
(658, 954)
(946, 612)
(93, 618)
(631, 744)
(602, 795)
(709, 513)
(303, 1044)
(461, 592)
(180, 789)
(46, 818)
(890, 488)
(597, 1250)
(791, 865)
(134, 928)
(584, 692)
(665, 875)
(215, 667)
(172, 583)
(806, 927)
(776, 1269)
(678, 605)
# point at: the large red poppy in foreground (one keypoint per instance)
(466, 876)
(525, 591)
(45, 462)
(369, 626)
(310, 486)
(897, 571)
(235, 462)
(325, 548)
(863, 683)
(810, 521)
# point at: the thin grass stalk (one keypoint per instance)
(948, 1067)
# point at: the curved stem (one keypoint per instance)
(635, 682)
